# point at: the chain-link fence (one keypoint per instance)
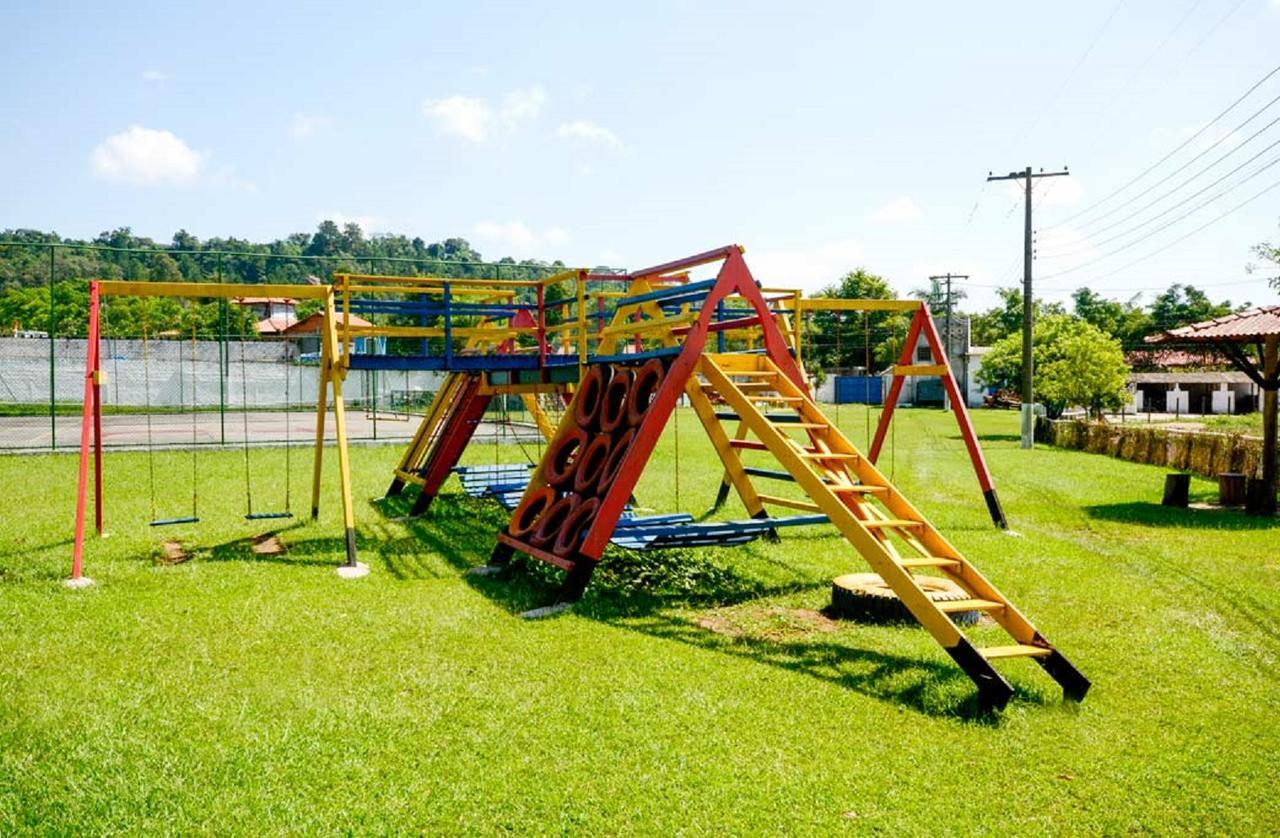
(202, 373)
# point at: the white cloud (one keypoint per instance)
(520, 239)
(897, 211)
(146, 157)
(808, 268)
(524, 104)
(476, 120)
(586, 131)
(304, 125)
(154, 75)
(611, 257)
(462, 116)
(368, 223)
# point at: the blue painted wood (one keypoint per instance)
(859, 389)
(691, 291)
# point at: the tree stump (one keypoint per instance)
(1231, 488)
(1177, 488)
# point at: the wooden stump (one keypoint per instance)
(1231, 488)
(1177, 488)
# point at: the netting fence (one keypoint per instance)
(210, 379)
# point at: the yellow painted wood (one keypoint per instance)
(632, 327)
(222, 290)
(868, 545)
(894, 524)
(859, 490)
(734, 471)
(1018, 651)
(831, 304)
(321, 413)
(790, 503)
(340, 426)
(928, 561)
(920, 369)
(955, 605)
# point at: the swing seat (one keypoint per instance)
(678, 531)
(168, 522)
(263, 516)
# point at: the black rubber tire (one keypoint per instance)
(866, 597)
(613, 465)
(552, 520)
(591, 464)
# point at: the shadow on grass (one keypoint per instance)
(316, 552)
(642, 590)
(990, 437)
(1148, 514)
(926, 686)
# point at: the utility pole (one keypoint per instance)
(946, 320)
(1028, 393)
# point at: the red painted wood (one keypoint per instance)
(895, 389)
(86, 430)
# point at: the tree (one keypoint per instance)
(1124, 321)
(1089, 371)
(840, 340)
(936, 296)
(1184, 304)
(1268, 252)
(1063, 348)
(994, 324)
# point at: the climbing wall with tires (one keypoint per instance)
(584, 459)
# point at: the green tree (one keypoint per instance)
(1125, 321)
(1270, 253)
(1089, 371)
(994, 324)
(1183, 304)
(843, 339)
(1058, 351)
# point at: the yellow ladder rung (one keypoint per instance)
(804, 426)
(774, 500)
(955, 605)
(827, 455)
(1019, 651)
(753, 373)
(928, 561)
(860, 489)
(893, 524)
(920, 369)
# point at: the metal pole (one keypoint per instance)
(53, 374)
(1028, 316)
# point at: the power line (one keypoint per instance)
(1185, 165)
(1186, 236)
(1179, 148)
(1166, 225)
(1173, 207)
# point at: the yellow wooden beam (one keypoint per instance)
(213, 290)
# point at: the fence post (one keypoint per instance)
(53, 373)
(373, 374)
(223, 368)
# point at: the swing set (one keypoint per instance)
(332, 373)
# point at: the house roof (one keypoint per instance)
(311, 324)
(1242, 327)
(1203, 377)
(274, 325)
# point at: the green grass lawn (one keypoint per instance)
(699, 692)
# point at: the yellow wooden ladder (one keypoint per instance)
(869, 512)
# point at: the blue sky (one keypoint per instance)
(820, 135)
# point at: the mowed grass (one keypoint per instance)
(697, 692)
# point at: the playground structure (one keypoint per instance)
(581, 490)
(620, 352)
